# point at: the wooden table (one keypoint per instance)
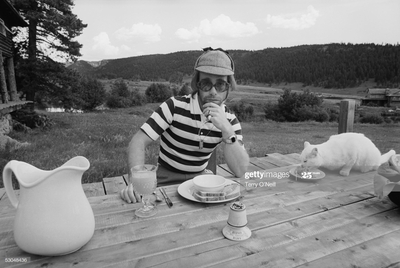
(334, 222)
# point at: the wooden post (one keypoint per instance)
(12, 84)
(3, 84)
(346, 116)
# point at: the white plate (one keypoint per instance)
(186, 189)
(311, 175)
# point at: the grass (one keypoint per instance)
(102, 137)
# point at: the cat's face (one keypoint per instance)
(310, 157)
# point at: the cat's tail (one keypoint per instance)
(386, 157)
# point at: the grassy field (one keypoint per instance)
(103, 137)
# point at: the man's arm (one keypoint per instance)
(237, 158)
(136, 156)
(235, 154)
(137, 149)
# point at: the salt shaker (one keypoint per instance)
(236, 228)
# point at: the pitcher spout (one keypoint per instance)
(78, 163)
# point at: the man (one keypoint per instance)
(192, 126)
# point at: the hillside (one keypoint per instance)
(327, 66)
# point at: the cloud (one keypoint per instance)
(221, 26)
(103, 44)
(294, 22)
(188, 35)
(140, 31)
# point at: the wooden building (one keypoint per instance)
(382, 97)
(9, 17)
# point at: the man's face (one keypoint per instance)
(212, 95)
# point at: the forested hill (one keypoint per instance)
(330, 65)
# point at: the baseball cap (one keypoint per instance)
(215, 62)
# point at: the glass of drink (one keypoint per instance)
(144, 181)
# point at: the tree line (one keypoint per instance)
(329, 66)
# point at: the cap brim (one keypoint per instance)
(214, 70)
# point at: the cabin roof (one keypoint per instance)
(376, 91)
(10, 15)
(393, 92)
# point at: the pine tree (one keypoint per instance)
(52, 29)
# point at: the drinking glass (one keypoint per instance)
(144, 181)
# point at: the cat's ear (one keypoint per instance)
(306, 144)
(314, 152)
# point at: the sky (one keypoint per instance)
(127, 28)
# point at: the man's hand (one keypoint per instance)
(218, 116)
(129, 195)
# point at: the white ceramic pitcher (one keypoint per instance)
(53, 214)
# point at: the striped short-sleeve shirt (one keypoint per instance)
(187, 141)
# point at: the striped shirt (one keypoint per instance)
(183, 128)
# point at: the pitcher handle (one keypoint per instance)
(7, 175)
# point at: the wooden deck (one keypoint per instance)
(114, 185)
(6, 108)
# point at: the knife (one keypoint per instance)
(167, 200)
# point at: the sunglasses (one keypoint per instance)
(206, 85)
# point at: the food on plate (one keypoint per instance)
(301, 169)
(228, 192)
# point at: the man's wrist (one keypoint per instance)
(231, 139)
(227, 132)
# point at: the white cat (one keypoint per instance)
(344, 151)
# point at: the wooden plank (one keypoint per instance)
(223, 172)
(114, 185)
(275, 159)
(290, 160)
(3, 84)
(93, 189)
(2, 193)
(6, 208)
(250, 168)
(262, 164)
(379, 252)
(295, 157)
